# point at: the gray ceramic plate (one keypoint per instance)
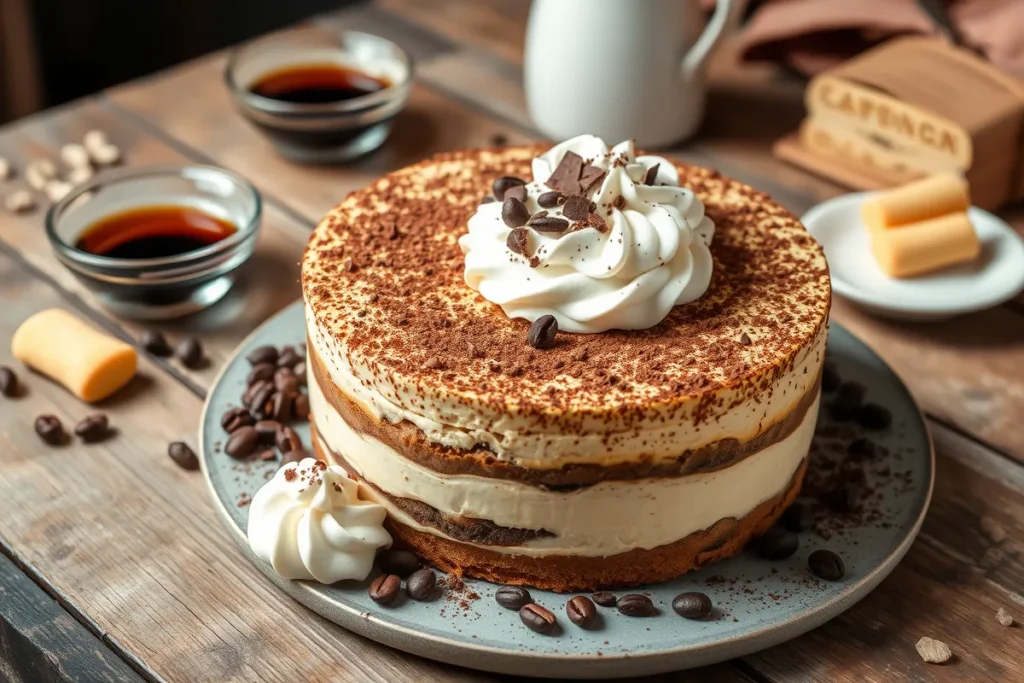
(758, 603)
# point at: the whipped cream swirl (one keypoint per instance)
(648, 253)
(309, 523)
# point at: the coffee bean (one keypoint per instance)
(518, 241)
(242, 442)
(300, 372)
(8, 382)
(401, 562)
(549, 224)
(260, 372)
(777, 544)
(296, 456)
(267, 430)
(537, 618)
(262, 354)
(862, 448)
(830, 379)
(288, 357)
(581, 611)
(385, 588)
(827, 565)
(50, 429)
(259, 405)
(235, 418)
(844, 406)
(841, 499)
(251, 390)
(183, 456)
(636, 605)
(420, 584)
(504, 183)
(550, 200)
(190, 353)
(692, 605)
(288, 440)
(93, 428)
(281, 406)
(285, 381)
(542, 332)
(514, 213)
(155, 343)
(604, 598)
(874, 417)
(513, 597)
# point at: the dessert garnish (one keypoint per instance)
(420, 584)
(512, 597)
(581, 611)
(537, 618)
(384, 589)
(542, 332)
(601, 239)
(827, 565)
(692, 605)
(636, 605)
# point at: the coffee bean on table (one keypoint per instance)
(183, 456)
(400, 562)
(155, 343)
(385, 588)
(692, 605)
(50, 429)
(288, 357)
(604, 598)
(777, 544)
(288, 440)
(234, 418)
(242, 442)
(874, 417)
(262, 354)
(300, 409)
(862, 448)
(827, 565)
(542, 332)
(636, 605)
(93, 428)
(581, 611)
(797, 517)
(267, 430)
(8, 382)
(537, 618)
(513, 597)
(259, 372)
(830, 379)
(190, 352)
(505, 183)
(420, 584)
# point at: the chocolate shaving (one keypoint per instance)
(652, 173)
(518, 241)
(620, 202)
(576, 208)
(596, 222)
(566, 177)
(589, 176)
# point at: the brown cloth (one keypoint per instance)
(814, 35)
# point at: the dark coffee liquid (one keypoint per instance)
(317, 84)
(153, 232)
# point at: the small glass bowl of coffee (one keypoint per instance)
(321, 95)
(157, 243)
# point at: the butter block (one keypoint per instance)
(90, 364)
(927, 198)
(925, 245)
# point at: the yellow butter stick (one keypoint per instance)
(927, 198)
(90, 364)
(926, 245)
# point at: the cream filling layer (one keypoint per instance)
(597, 521)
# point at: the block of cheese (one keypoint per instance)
(90, 364)
(927, 198)
(926, 245)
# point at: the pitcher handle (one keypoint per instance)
(725, 18)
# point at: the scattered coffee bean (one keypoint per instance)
(1004, 618)
(420, 584)
(300, 409)
(50, 429)
(235, 418)
(581, 611)
(286, 381)
(288, 357)
(281, 406)
(549, 224)
(844, 406)
(300, 372)
(260, 403)
(537, 618)
(252, 389)
(267, 454)
(636, 605)
(692, 605)
(183, 456)
(518, 241)
(513, 597)
(400, 562)
(542, 332)
(825, 564)
(242, 442)
(262, 354)
(385, 588)
(777, 544)
(841, 499)
(797, 517)
(874, 417)
(294, 456)
(604, 598)
(550, 200)
(862, 448)
(155, 343)
(267, 430)
(505, 183)
(830, 379)
(514, 213)
(190, 353)
(288, 440)
(93, 428)
(260, 372)
(933, 651)
(8, 382)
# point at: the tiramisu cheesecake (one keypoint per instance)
(663, 426)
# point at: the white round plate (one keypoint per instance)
(996, 276)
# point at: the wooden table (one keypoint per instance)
(114, 566)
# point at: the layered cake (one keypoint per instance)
(667, 422)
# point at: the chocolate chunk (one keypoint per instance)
(827, 565)
(50, 429)
(281, 406)
(576, 208)
(841, 499)
(581, 611)
(259, 372)
(518, 241)
(400, 562)
(542, 332)
(692, 605)
(267, 430)
(420, 585)
(862, 448)
(830, 379)
(549, 224)
(513, 597)
(652, 175)
(286, 381)
(234, 418)
(777, 544)
(604, 598)
(183, 456)
(300, 372)
(537, 618)
(385, 588)
(190, 353)
(155, 343)
(300, 409)
(505, 183)
(550, 200)
(874, 417)
(93, 428)
(797, 517)
(844, 406)
(517, 192)
(288, 357)
(596, 222)
(288, 440)
(636, 605)
(242, 442)
(8, 382)
(566, 176)
(589, 176)
(262, 354)
(514, 213)
(260, 404)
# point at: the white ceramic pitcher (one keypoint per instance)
(621, 69)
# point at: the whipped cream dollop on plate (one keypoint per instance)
(604, 240)
(308, 522)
